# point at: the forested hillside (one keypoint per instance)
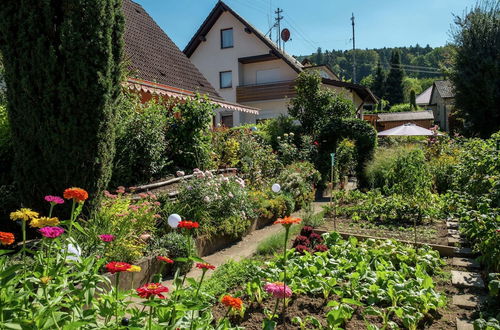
(421, 65)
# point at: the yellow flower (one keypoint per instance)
(45, 279)
(23, 214)
(44, 222)
(134, 269)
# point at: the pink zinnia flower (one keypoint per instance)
(51, 232)
(54, 199)
(107, 238)
(278, 289)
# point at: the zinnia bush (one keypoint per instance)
(6, 238)
(152, 290)
(232, 302)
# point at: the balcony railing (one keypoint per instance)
(268, 91)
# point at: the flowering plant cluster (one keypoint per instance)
(309, 241)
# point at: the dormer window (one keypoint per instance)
(226, 38)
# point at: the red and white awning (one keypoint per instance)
(173, 92)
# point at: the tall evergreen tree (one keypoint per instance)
(319, 57)
(63, 75)
(378, 86)
(394, 83)
(476, 71)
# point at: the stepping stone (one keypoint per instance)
(452, 241)
(453, 232)
(464, 325)
(468, 301)
(452, 224)
(466, 279)
(465, 262)
(464, 252)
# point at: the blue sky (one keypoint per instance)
(323, 23)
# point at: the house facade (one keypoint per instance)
(442, 103)
(247, 68)
(158, 68)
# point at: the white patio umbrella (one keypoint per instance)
(408, 129)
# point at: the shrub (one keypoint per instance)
(176, 246)
(188, 133)
(131, 221)
(442, 170)
(346, 158)
(270, 205)
(403, 107)
(225, 148)
(272, 129)
(360, 131)
(299, 180)
(400, 170)
(140, 145)
(220, 204)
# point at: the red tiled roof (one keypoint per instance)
(152, 56)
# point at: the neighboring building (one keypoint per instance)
(246, 67)
(442, 102)
(424, 98)
(385, 121)
(158, 67)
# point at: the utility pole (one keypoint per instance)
(278, 20)
(353, 51)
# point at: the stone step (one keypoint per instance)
(464, 324)
(452, 241)
(465, 262)
(452, 224)
(464, 252)
(467, 279)
(453, 232)
(468, 301)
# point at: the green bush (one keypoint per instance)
(140, 144)
(299, 180)
(442, 170)
(270, 130)
(360, 131)
(346, 158)
(6, 150)
(176, 246)
(292, 148)
(401, 170)
(403, 107)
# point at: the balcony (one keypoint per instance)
(268, 91)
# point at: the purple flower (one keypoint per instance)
(278, 289)
(107, 238)
(51, 232)
(54, 199)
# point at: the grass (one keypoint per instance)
(274, 243)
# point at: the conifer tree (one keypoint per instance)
(63, 75)
(378, 87)
(394, 83)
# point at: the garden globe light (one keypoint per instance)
(173, 220)
(276, 188)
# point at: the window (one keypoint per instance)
(267, 76)
(226, 38)
(227, 120)
(226, 79)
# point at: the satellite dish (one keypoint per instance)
(285, 35)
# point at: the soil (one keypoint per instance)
(434, 232)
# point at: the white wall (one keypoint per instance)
(281, 71)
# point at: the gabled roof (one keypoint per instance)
(322, 66)
(444, 88)
(425, 97)
(405, 116)
(153, 57)
(364, 92)
(214, 15)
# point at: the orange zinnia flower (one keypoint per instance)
(6, 238)
(232, 302)
(287, 221)
(77, 194)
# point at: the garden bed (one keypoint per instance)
(434, 232)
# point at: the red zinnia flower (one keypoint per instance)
(232, 302)
(152, 289)
(117, 266)
(167, 260)
(6, 238)
(205, 266)
(188, 224)
(76, 194)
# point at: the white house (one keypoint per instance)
(442, 103)
(246, 67)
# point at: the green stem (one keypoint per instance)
(275, 309)
(116, 295)
(225, 315)
(150, 316)
(287, 231)
(196, 295)
(72, 218)
(50, 210)
(51, 309)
